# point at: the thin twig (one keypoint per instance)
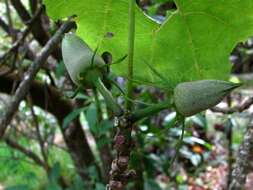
(8, 12)
(34, 157)
(239, 108)
(13, 144)
(20, 41)
(39, 137)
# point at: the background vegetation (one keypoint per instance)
(54, 142)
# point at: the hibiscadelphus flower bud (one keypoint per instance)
(193, 97)
(86, 68)
(83, 65)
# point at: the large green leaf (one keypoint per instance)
(193, 43)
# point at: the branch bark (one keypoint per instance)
(21, 40)
(21, 10)
(33, 5)
(119, 174)
(5, 26)
(243, 163)
(38, 31)
(7, 29)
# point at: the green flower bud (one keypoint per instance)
(193, 97)
(77, 57)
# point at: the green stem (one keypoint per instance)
(131, 37)
(150, 110)
(98, 106)
(110, 101)
(119, 174)
(180, 141)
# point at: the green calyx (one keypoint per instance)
(193, 97)
(86, 68)
(82, 64)
(89, 77)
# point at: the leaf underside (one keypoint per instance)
(194, 43)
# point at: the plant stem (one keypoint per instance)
(150, 110)
(110, 101)
(98, 105)
(131, 38)
(120, 175)
(179, 143)
(104, 150)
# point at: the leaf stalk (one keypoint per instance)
(131, 39)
